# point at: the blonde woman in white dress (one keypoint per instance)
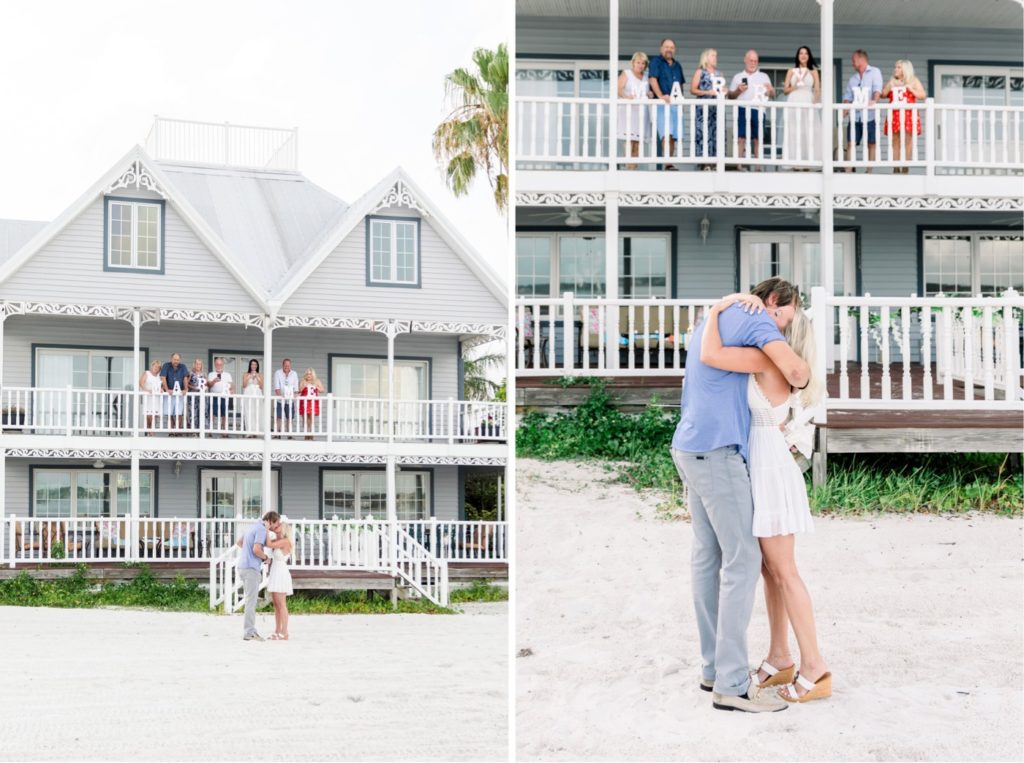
(802, 125)
(151, 385)
(279, 579)
(633, 118)
(781, 508)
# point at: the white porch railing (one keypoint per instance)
(573, 133)
(223, 144)
(413, 564)
(71, 411)
(319, 544)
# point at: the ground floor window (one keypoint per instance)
(358, 494)
(89, 492)
(967, 263)
(227, 493)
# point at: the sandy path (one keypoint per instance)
(135, 685)
(920, 618)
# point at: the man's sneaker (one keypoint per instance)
(252, 637)
(754, 701)
(707, 684)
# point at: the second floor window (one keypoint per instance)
(393, 252)
(134, 235)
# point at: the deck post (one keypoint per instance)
(826, 219)
(819, 460)
(613, 90)
(392, 511)
(137, 360)
(611, 275)
(391, 333)
(267, 483)
(136, 500)
(3, 500)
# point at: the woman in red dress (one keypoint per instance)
(309, 388)
(903, 87)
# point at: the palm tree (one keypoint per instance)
(475, 383)
(474, 137)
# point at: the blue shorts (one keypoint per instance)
(755, 115)
(285, 409)
(174, 405)
(859, 133)
(675, 128)
(218, 405)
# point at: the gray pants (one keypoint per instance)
(251, 581)
(726, 561)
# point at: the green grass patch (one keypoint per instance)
(637, 447)
(478, 590)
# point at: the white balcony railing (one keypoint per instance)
(223, 144)
(71, 411)
(573, 133)
(319, 543)
(913, 352)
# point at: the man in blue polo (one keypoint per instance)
(250, 568)
(710, 449)
(665, 72)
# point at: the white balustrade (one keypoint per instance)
(223, 144)
(458, 541)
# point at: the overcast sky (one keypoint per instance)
(363, 82)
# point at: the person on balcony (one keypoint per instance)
(151, 385)
(863, 91)
(754, 86)
(802, 125)
(221, 385)
(705, 85)
(174, 378)
(196, 388)
(286, 385)
(903, 87)
(665, 74)
(252, 388)
(310, 388)
(633, 86)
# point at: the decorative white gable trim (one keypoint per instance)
(451, 460)
(249, 320)
(199, 455)
(491, 331)
(400, 195)
(327, 458)
(565, 199)
(83, 453)
(740, 200)
(8, 309)
(936, 203)
(323, 322)
(138, 176)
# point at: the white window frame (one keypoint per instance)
(359, 510)
(1007, 71)
(144, 511)
(236, 474)
(975, 237)
(88, 352)
(393, 278)
(576, 65)
(134, 263)
(382, 364)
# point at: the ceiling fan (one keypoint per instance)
(811, 215)
(574, 217)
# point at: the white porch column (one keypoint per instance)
(392, 331)
(136, 501)
(3, 494)
(3, 320)
(826, 218)
(613, 85)
(268, 409)
(390, 470)
(611, 273)
(137, 361)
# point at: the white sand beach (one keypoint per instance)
(142, 685)
(920, 618)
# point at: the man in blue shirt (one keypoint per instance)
(863, 90)
(250, 568)
(173, 375)
(710, 449)
(665, 72)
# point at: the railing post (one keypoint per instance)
(329, 413)
(719, 132)
(568, 332)
(451, 421)
(929, 137)
(1011, 347)
(819, 319)
(12, 549)
(201, 413)
(68, 397)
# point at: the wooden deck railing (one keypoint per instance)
(574, 133)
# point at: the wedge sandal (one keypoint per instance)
(776, 676)
(820, 689)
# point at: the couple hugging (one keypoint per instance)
(746, 405)
(275, 533)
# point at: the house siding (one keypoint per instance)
(449, 290)
(178, 495)
(70, 269)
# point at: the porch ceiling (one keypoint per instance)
(994, 14)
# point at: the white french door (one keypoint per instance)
(796, 256)
(227, 494)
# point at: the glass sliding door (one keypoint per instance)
(354, 379)
(58, 368)
(227, 494)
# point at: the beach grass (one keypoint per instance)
(635, 449)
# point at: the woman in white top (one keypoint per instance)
(633, 86)
(802, 124)
(279, 579)
(252, 388)
(151, 385)
(780, 500)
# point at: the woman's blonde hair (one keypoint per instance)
(310, 372)
(800, 335)
(639, 56)
(704, 54)
(288, 533)
(155, 363)
(908, 71)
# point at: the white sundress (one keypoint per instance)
(802, 125)
(279, 579)
(151, 397)
(635, 115)
(776, 482)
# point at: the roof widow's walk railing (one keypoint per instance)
(222, 144)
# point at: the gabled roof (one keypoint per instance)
(394, 189)
(135, 166)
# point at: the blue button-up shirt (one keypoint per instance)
(665, 73)
(871, 81)
(715, 412)
(173, 375)
(255, 534)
